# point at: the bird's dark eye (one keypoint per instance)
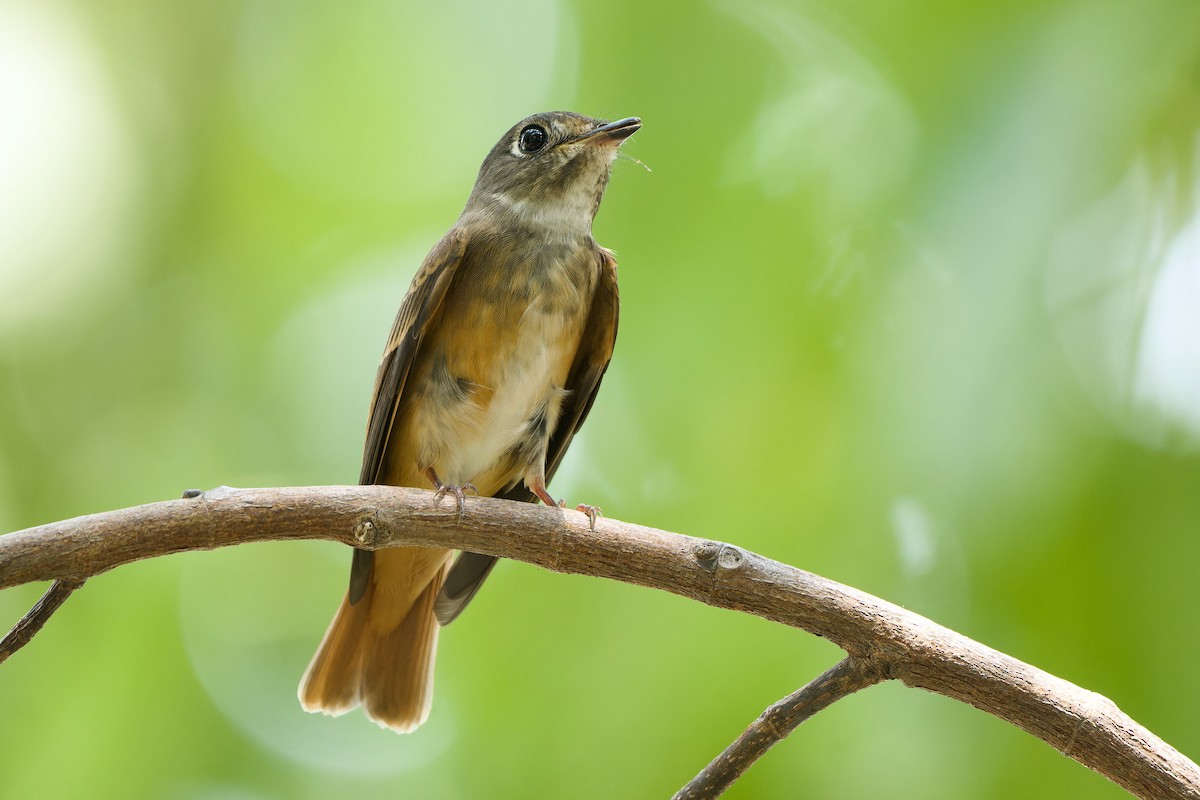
(533, 138)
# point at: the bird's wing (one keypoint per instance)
(591, 361)
(418, 307)
(583, 382)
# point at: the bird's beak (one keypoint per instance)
(613, 133)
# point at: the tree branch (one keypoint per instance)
(1081, 724)
(776, 723)
(31, 623)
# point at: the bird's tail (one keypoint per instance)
(379, 651)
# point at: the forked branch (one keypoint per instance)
(32, 622)
(776, 723)
(893, 642)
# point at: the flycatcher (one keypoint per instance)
(492, 365)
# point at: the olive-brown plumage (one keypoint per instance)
(492, 365)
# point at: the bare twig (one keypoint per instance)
(32, 622)
(903, 645)
(776, 723)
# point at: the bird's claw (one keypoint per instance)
(592, 512)
(539, 490)
(459, 492)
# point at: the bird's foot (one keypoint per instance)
(443, 489)
(592, 513)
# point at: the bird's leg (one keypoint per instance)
(538, 487)
(459, 492)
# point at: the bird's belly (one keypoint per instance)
(509, 404)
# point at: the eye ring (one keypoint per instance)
(532, 139)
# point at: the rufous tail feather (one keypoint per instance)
(377, 656)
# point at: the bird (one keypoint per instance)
(491, 367)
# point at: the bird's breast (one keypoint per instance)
(497, 366)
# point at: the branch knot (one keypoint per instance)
(713, 556)
(366, 532)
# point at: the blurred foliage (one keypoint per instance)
(909, 300)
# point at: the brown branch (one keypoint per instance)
(32, 622)
(900, 644)
(776, 723)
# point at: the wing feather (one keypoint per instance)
(419, 305)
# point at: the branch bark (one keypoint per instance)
(776, 723)
(897, 643)
(32, 622)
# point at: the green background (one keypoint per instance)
(909, 300)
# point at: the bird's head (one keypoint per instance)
(550, 169)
